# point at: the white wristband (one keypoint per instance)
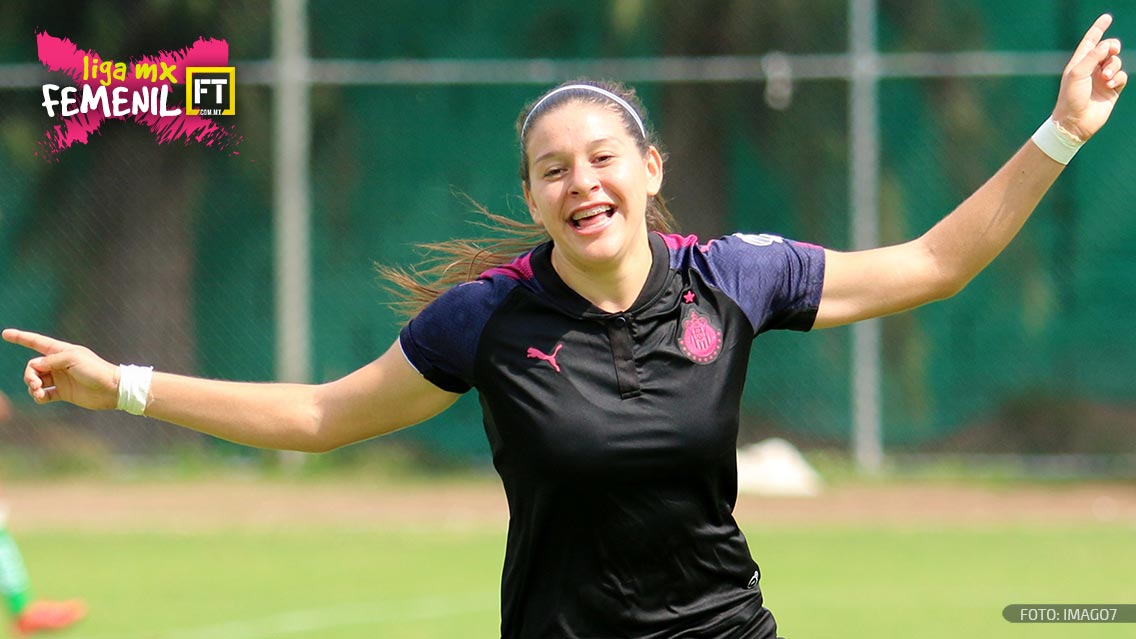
(134, 388)
(1056, 142)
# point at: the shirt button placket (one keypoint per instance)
(626, 373)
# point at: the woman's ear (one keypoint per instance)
(654, 171)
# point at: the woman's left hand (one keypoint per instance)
(1091, 83)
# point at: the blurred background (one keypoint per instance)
(976, 453)
(367, 126)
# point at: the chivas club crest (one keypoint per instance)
(700, 340)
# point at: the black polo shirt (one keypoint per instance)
(615, 434)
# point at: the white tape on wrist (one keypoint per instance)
(1056, 142)
(134, 388)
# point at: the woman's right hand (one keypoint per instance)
(66, 372)
(1091, 83)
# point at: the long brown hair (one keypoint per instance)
(452, 262)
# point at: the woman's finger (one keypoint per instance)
(37, 393)
(46, 395)
(1113, 45)
(39, 364)
(54, 362)
(32, 377)
(40, 343)
(1111, 67)
(1092, 38)
(1088, 64)
(1119, 81)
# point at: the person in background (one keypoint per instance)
(29, 616)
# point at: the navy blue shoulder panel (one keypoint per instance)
(776, 282)
(441, 341)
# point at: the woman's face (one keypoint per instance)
(589, 184)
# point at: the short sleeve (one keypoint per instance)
(777, 282)
(441, 341)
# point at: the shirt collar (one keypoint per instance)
(576, 305)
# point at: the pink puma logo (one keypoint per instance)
(551, 359)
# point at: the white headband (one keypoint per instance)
(586, 87)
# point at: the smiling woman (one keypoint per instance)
(588, 186)
(609, 355)
(608, 124)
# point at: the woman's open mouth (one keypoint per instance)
(593, 218)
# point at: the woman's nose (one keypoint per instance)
(584, 180)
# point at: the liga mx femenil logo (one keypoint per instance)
(148, 90)
(700, 340)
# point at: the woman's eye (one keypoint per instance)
(602, 158)
(550, 173)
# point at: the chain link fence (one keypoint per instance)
(163, 254)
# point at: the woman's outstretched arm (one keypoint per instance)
(383, 396)
(864, 284)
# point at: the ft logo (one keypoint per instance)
(210, 90)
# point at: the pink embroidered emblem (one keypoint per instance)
(688, 297)
(551, 359)
(700, 341)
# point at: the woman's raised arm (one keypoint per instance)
(864, 284)
(383, 396)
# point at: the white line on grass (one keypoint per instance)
(339, 616)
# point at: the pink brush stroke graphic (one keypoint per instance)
(60, 54)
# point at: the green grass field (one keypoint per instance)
(821, 581)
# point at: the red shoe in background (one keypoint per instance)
(49, 615)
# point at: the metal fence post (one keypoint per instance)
(863, 171)
(291, 193)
